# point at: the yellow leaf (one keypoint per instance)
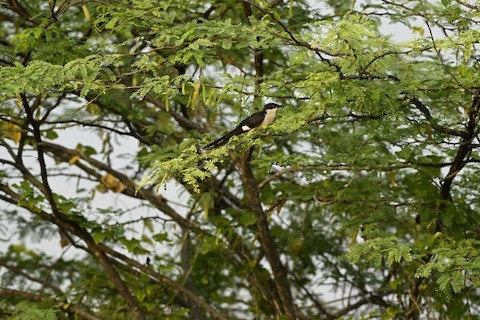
(354, 237)
(19, 100)
(112, 183)
(73, 160)
(11, 131)
(196, 90)
(392, 179)
(86, 12)
(93, 108)
(418, 30)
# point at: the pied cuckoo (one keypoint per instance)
(262, 118)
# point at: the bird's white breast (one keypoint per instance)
(269, 117)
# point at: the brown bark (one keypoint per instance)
(253, 197)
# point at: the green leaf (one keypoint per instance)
(247, 218)
(206, 202)
(98, 235)
(160, 237)
(131, 244)
(457, 281)
(31, 311)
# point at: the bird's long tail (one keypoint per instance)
(221, 141)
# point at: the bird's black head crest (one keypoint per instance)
(272, 105)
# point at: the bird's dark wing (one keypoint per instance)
(253, 121)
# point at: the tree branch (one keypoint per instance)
(62, 216)
(257, 53)
(464, 149)
(426, 112)
(268, 245)
(159, 202)
(167, 281)
(73, 309)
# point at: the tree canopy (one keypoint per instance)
(360, 201)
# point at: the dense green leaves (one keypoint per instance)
(28, 311)
(365, 185)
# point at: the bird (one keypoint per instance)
(261, 118)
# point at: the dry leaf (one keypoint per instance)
(196, 90)
(74, 160)
(86, 12)
(112, 183)
(11, 131)
(64, 241)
